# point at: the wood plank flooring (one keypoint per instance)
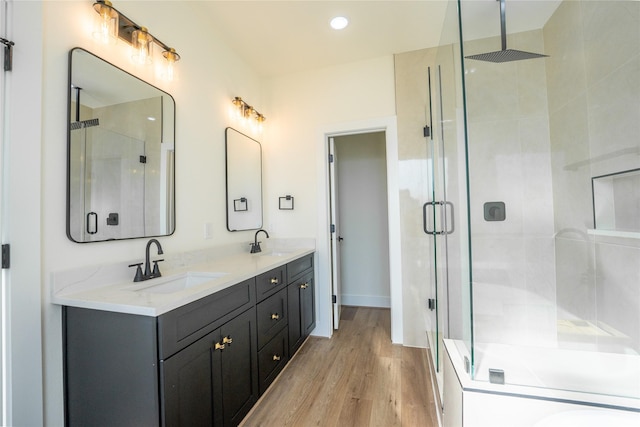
(357, 378)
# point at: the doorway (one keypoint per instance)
(361, 219)
(388, 125)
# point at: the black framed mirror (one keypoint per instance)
(244, 181)
(121, 154)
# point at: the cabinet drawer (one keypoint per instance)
(272, 316)
(298, 267)
(185, 325)
(270, 282)
(271, 360)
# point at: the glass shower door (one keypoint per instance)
(439, 218)
(109, 163)
(431, 226)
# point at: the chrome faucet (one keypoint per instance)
(148, 273)
(255, 246)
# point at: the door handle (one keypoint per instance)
(90, 229)
(425, 218)
(450, 222)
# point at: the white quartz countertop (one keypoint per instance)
(126, 296)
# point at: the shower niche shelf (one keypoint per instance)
(614, 233)
(616, 204)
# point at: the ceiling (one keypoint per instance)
(281, 37)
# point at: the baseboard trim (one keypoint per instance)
(366, 301)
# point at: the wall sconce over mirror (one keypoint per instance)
(244, 181)
(248, 114)
(111, 25)
(120, 173)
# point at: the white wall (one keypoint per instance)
(306, 107)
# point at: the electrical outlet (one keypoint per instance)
(208, 231)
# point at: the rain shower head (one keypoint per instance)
(84, 124)
(81, 124)
(505, 55)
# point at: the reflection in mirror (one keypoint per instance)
(244, 181)
(120, 154)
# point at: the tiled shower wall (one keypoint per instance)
(593, 77)
(514, 286)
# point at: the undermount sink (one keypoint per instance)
(170, 284)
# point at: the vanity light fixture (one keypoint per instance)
(111, 25)
(247, 112)
(106, 26)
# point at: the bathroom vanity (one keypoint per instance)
(185, 353)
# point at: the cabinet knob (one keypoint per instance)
(227, 340)
(276, 357)
(304, 286)
(274, 281)
(218, 346)
(275, 316)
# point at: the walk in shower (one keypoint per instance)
(538, 284)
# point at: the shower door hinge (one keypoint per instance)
(8, 53)
(330, 158)
(431, 304)
(6, 256)
(143, 159)
(334, 299)
(426, 131)
(333, 228)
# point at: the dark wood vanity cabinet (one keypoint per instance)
(202, 364)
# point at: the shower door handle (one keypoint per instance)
(445, 208)
(92, 226)
(425, 218)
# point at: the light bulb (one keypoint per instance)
(142, 45)
(105, 27)
(172, 57)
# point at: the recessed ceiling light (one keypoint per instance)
(339, 22)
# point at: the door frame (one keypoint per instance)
(324, 288)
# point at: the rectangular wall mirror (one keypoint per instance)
(120, 166)
(244, 181)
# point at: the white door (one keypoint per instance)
(335, 235)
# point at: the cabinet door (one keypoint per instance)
(295, 323)
(235, 370)
(302, 314)
(307, 305)
(187, 385)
